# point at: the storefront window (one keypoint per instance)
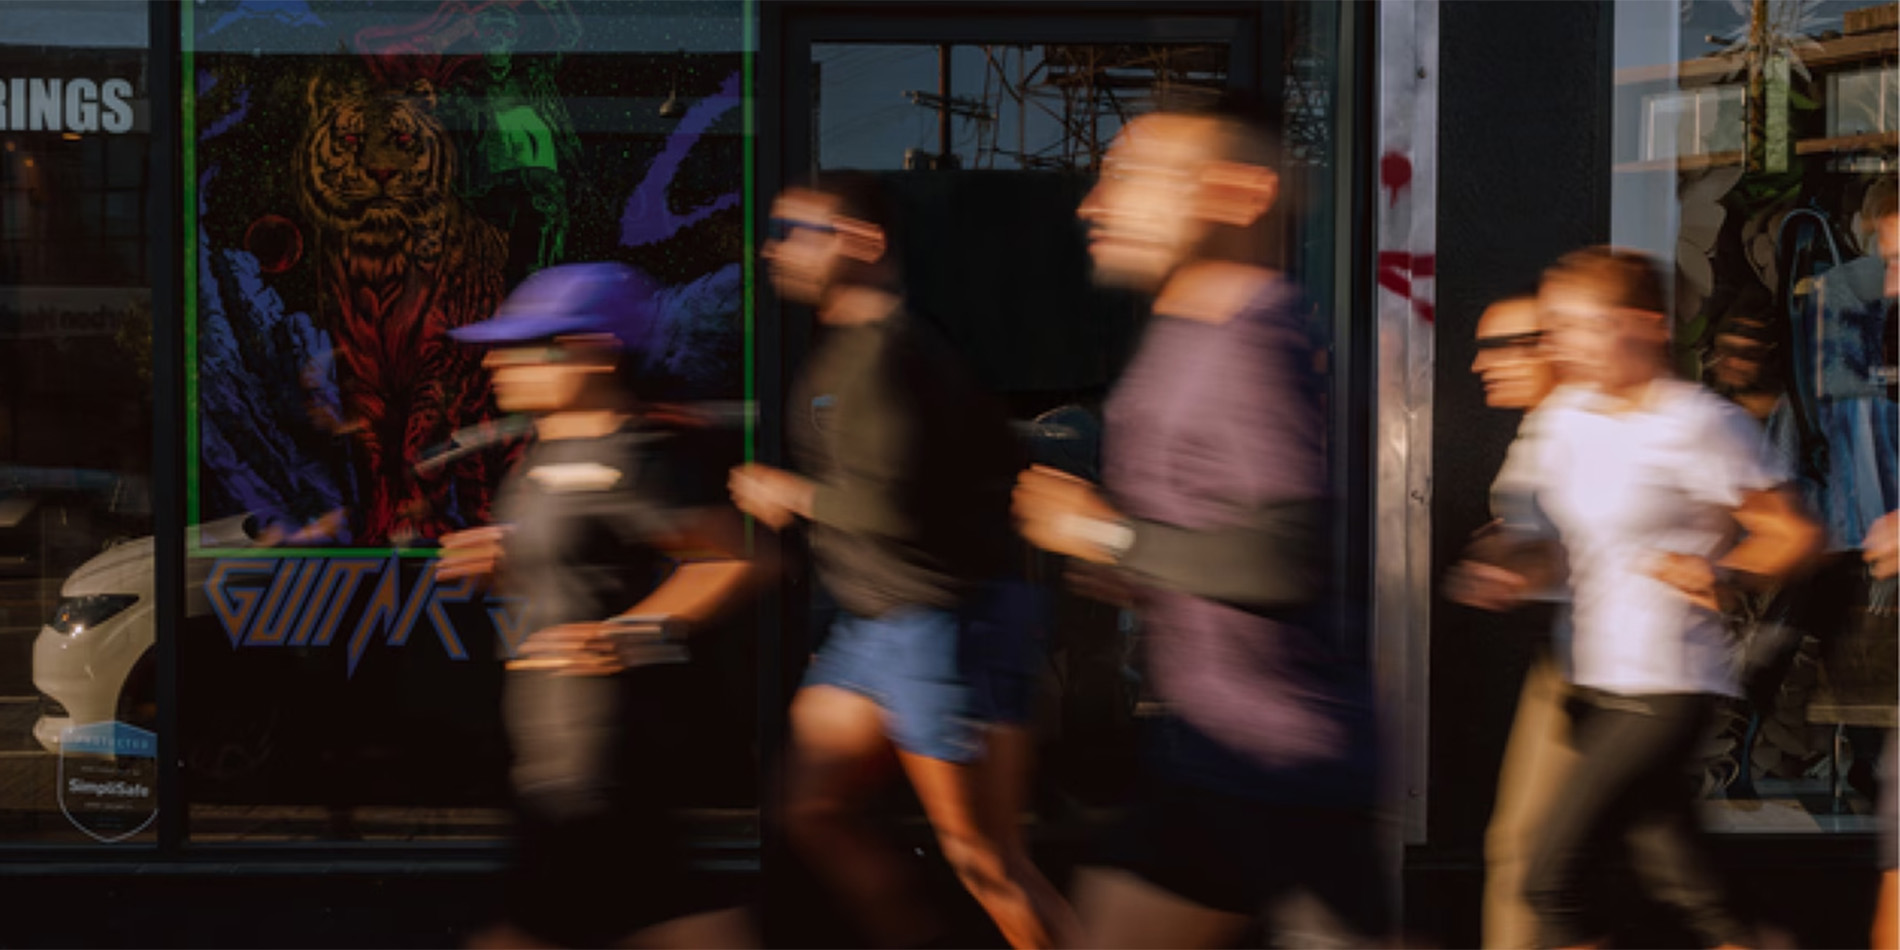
(1755, 148)
(359, 180)
(988, 148)
(1048, 106)
(77, 698)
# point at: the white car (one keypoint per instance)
(94, 662)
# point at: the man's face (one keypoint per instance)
(543, 377)
(1141, 216)
(1596, 344)
(1510, 359)
(804, 249)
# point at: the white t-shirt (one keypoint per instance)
(1618, 490)
(1514, 506)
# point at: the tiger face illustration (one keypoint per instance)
(402, 261)
(375, 168)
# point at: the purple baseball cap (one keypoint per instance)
(571, 300)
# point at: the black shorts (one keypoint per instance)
(1238, 854)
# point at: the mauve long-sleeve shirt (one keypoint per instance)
(1214, 448)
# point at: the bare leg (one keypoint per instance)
(839, 756)
(1123, 912)
(1009, 763)
(1537, 760)
(506, 936)
(975, 811)
(729, 929)
(1886, 930)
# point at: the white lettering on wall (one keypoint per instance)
(46, 105)
(82, 106)
(65, 105)
(118, 117)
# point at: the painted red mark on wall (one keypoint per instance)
(1397, 270)
(1395, 174)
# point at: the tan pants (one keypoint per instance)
(1537, 758)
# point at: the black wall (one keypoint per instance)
(1523, 176)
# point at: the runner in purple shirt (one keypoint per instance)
(1259, 777)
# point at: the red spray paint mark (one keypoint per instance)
(1395, 174)
(1397, 270)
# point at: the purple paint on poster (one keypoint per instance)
(647, 219)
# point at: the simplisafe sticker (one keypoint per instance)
(108, 779)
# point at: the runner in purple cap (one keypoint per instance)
(614, 532)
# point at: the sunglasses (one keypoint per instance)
(528, 355)
(778, 229)
(1511, 341)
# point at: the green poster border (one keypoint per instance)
(188, 120)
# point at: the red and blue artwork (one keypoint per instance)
(367, 178)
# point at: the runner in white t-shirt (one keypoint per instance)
(1664, 502)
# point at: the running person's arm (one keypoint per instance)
(1517, 554)
(1275, 555)
(1780, 541)
(1733, 469)
(713, 573)
(673, 509)
(700, 533)
(1255, 450)
(874, 489)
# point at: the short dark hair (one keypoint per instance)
(1251, 123)
(1618, 276)
(862, 196)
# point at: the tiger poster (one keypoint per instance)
(364, 178)
(361, 179)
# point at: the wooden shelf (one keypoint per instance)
(1686, 163)
(1870, 142)
(1710, 70)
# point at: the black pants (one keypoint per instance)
(599, 851)
(1237, 853)
(1630, 788)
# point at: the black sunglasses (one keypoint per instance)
(1511, 341)
(778, 229)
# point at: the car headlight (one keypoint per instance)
(77, 613)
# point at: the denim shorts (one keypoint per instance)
(941, 675)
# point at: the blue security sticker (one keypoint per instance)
(108, 779)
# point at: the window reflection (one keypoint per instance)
(75, 438)
(1772, 145)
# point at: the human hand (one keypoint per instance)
(1049, 505)
(1881, 549)
(1485, 586)
(1691, 574)
(475, 553)
(772, 495)
(575, 649)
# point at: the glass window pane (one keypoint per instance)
(76, 611)
(1762, 198)
(994, 257)
(123, 213)
(125, 165)
(1048, 106)
(433, 179)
